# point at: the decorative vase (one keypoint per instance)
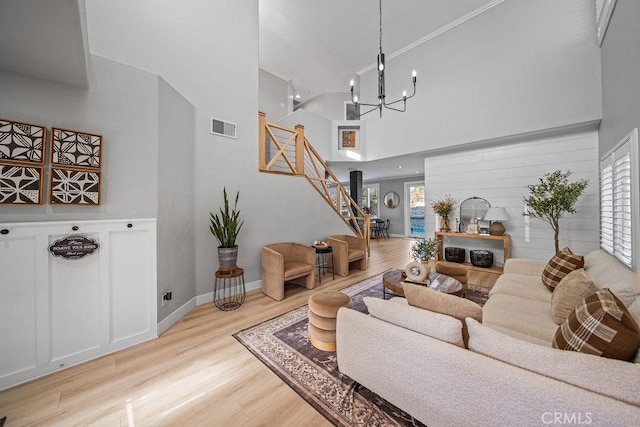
(228, 258)
(429, 264)
(444, 223)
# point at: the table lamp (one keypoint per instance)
(495, 215)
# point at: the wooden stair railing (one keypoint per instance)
(286, 151)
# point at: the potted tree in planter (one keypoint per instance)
(225, 228)
(424, 250)
(553, 197)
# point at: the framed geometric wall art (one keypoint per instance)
(21, 142)
(74, 187)
(20, 184)
(75, 149)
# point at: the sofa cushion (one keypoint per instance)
(582, 370)
(296, 268)
(522, 315)
(572, 289)
(436, 325)
(561, 264)
(451, 305)
(607, 272)
(522, 285)
(600, 325)
(634, 310)
(355, 254)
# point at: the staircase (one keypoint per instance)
(286, 151)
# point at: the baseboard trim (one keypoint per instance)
(172, 318)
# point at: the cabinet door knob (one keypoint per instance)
(4, 231)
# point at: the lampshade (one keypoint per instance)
(496, 214)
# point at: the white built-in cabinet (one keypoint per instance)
(57, 312)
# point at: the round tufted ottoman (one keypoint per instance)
(455, 270)
(323, 309)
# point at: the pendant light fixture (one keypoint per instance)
(381, 85)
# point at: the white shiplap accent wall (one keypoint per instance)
(501, 174)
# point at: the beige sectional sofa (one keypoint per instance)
(509, 374)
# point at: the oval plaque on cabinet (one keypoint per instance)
(74, 247)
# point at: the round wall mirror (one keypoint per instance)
(391, 199)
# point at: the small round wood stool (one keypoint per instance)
(455, 270)
(323, 309)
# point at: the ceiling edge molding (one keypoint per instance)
(586, 126)
(435, 33)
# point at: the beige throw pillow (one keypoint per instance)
(451, 305)
(561, 264)
(573, 288)
(600, 325)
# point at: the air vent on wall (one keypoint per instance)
(223, 128)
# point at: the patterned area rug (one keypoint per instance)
(282, 344)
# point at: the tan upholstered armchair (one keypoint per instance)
(283, 262)
(348, 250)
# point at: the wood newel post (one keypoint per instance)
(262, 140)
(299, 149)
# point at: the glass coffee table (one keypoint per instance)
(393, 280)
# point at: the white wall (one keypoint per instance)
(620, 83)
(328, 105)
(501, 174)
(273, 96)
(176, 257)
(317, 129)
(208, 51)
(121, 105)
(520, 67)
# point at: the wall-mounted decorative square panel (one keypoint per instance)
(74, 187)
(20, 185)
(75, 149)
(21, 142)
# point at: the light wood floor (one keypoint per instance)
(196, 373)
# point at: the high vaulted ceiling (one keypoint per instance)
(320, 45)
(45, 39)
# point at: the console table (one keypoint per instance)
(505, 239)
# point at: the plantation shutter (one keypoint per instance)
(618, 195)
(606, 205)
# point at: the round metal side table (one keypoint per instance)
(321, 261)
(229, 291)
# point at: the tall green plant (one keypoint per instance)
(553, 197)
(226, 227)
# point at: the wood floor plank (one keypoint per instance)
(196, 373)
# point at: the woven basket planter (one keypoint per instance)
(453, 254)
(481, 258)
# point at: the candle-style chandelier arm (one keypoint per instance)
(375, 107)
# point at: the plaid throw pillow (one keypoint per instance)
(600, 325)
(562, 263)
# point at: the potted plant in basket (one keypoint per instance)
(444, 207)
(225, 228)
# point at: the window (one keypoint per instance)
(619, 198)
(370, 199)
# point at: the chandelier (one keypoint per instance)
(381, 85)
